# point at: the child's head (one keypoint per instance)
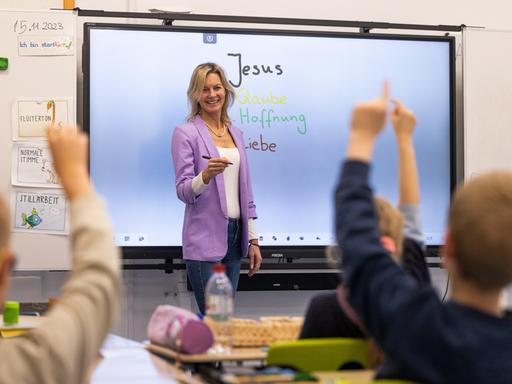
(390, 227)
(479, 228)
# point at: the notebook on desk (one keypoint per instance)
(24, 324)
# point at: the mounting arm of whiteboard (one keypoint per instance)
(363, 26)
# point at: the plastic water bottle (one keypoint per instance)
(219, 308)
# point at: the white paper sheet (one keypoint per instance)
(45, 45)
(39, 211)
(32, 166)
(31, 116)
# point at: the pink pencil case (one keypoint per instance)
(179, 329)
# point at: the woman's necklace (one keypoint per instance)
(215, 133)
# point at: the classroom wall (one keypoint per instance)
(144, 290)
(491, 13)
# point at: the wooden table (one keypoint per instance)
(236, 354)
(244, 354)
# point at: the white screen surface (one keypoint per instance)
(294, 94)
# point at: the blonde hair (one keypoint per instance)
(391, 224)
(195, 88)
(479, 222)
(4, 223)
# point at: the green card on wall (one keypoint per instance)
(4, 63)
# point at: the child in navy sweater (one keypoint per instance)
(468, 339)
(400, 233)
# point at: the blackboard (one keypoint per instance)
(41, 73)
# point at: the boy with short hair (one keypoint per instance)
(467, 340)
(66, 344)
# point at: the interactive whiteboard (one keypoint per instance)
(295, 92)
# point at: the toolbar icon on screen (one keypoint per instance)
(209, 38)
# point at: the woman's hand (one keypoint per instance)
(216, 165)
(254, 259)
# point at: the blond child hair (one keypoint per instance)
(390, 225)
(480, 221)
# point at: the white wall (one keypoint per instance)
(490, 13)
(144, 290)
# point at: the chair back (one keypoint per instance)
(325, 354)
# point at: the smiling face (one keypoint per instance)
(209, 92)
(213, 95)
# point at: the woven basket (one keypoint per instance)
(284, 328)
(254, 333)
(248, 333)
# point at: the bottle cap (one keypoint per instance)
(218, 268)
(11, 312)
(196, 337)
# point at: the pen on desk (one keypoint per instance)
(209, 157)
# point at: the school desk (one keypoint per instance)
(236, 354)
(25, 323)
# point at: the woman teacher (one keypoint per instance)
(212, 179)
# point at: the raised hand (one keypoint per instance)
(403, 119)
(404, 122)
(368, 119)
(69, 153)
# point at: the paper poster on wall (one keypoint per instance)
(39, 211)
(32, 166)
(45, 45)
(31, 116)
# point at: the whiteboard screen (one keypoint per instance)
(295, 92)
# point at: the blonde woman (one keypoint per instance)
(212, 179)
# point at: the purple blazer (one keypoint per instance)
(205, 225)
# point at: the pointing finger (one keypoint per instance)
(385, 91)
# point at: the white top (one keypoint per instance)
(231, 180)
(231, 183)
